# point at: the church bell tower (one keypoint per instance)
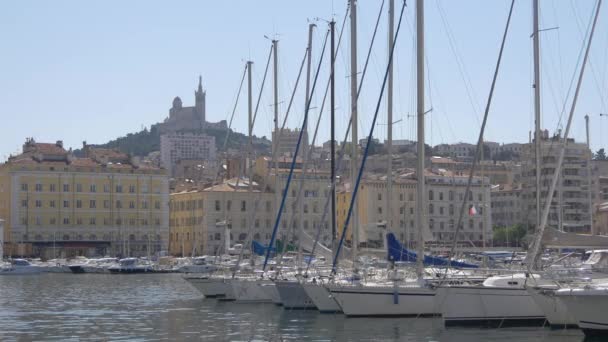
(199, 96)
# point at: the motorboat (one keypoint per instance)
(198, 265)
(19, 266)
(131, 265)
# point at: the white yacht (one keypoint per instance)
(210, 287)
(130, 265)
(293, 295)
(588, 306)
(396, 299)
(320, 295)
(19, 266)
(501, 300)
(198, 265)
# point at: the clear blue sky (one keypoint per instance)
(93, 71)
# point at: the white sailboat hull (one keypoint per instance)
(589, 307)
(385, 300)
(322, 298)
(249, 291)
(555, 310)
(293, 295)
(272, 291)
(209, 287)
(488, 306)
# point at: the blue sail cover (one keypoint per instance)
(396, 252)
(260, 249)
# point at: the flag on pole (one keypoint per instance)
(472, 211)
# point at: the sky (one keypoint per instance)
(93, 71)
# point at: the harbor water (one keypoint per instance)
(153, 307)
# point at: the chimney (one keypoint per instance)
(59, 143)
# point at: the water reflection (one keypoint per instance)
(164, 307)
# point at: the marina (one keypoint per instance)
(215, 235)
(165, 307)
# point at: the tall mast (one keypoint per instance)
(308, 66)
(420, 188)
(250, 119)
(353, 109)
(275, 45)
(537, 124)
(589, 176)
(304, 151)
(389, 114)
(332, 26)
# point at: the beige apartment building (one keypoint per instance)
(105, 203)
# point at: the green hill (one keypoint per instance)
(146, 141)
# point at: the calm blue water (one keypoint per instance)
(73, 307)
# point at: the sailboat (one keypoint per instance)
(507, 300)
(395, 297)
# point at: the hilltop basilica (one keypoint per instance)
(189, 118)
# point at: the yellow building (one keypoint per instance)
(105, 203)
(185, 223)
(198, 216)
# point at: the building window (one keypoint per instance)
(131, 189)
(38, 187)
(78, 187)
(78, 220)
(38, 220)
(379, 210)
(119, 188)
(52, 188)
(38, 204)
(66, 220)
(431, 208)
(66, 187)
(268, 206)
(131, 205)
(217, 206)
(23, 186)
(119, 221)
(78, 204)
(118, 204)
(257, 223)
(157, 205)
(66, 204)
(305, 208)
(451, 195)
(93, 188)
(106, 188)
(440, 210)
(92, 221)
(243, 205)
(379, 197)
(441, 196)
(53, 220)
(52, 204)
(92, 204)
(431, 195)
(106, 204)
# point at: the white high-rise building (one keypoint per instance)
(178, 146)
